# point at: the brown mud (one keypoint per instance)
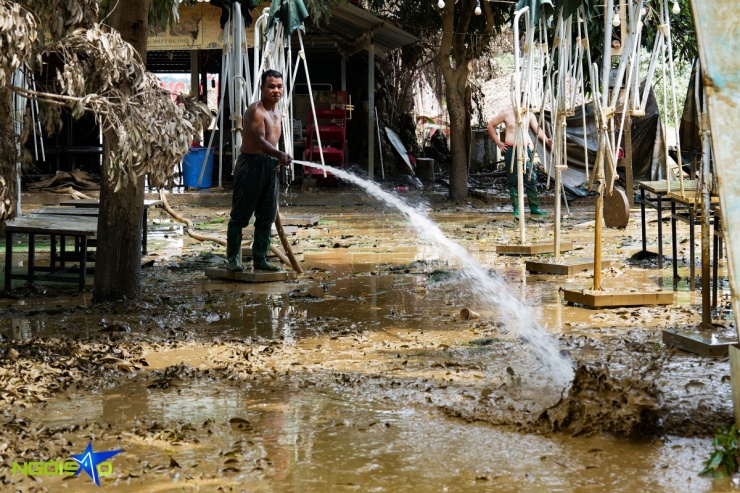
(361, 375)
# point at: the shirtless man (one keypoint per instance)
(256, 183)
(508, 118)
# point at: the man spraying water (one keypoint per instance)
(256, 184)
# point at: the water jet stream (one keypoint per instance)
(487, 289)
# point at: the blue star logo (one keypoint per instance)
(89, 460)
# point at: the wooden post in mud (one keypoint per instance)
(706, 310)
(599, 172)
(556, 231)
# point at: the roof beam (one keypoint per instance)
(359, 44)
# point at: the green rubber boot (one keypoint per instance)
(534, 203)
(234, 248)
(260, 247)
(514, 194)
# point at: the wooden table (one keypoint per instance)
(684, 209)
(95, 204)
(658, 191)
(79, 227)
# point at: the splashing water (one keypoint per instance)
(488, 290)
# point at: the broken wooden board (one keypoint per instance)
(563, 267)
(251, 275)
(701, 342)
(297, 250)
(533, 248)
(606, 299)
(301, 220)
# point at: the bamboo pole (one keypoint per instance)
(286, 244)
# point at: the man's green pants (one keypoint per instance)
(530, 181)
(256, 191)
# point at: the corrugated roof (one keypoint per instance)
(351, 23)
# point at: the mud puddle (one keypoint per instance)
(282, 437)
(360, 376)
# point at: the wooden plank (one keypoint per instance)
(301, 220)
(606, 299)
(68, 211)
(690, 199)
(661, 186)
(250, 275)
(533, 248)
(703, 343)
(565, 267)
(94, 203)
(53, 224)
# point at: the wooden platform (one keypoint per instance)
(565, 267)
(533, 248)
(607, 299)
(701, 342)
(251, 275)
(301, 220)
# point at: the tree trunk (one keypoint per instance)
(118, 256)
(8, 158)
(456, 108)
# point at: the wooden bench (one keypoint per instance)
(683, 208)
(653, 194)
(80, 228)
(95, 204)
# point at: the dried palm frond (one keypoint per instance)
(18, 33)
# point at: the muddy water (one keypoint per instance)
(304, 440)
(361, 375)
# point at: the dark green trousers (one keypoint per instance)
(256, 191)
(529, 183)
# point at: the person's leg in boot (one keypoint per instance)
(514, 194)
(234, 247)
(530, 184)
(264, 216)
(241, 211)
(512, 178)
(260, 247)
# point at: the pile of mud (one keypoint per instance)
(597, 402)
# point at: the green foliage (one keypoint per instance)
(320, 10)
(723, 461)
(682, 72)
(164, 12)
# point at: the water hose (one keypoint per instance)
(190, 230)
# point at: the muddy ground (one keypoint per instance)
(361, 375)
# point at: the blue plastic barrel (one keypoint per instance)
(193, 168)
